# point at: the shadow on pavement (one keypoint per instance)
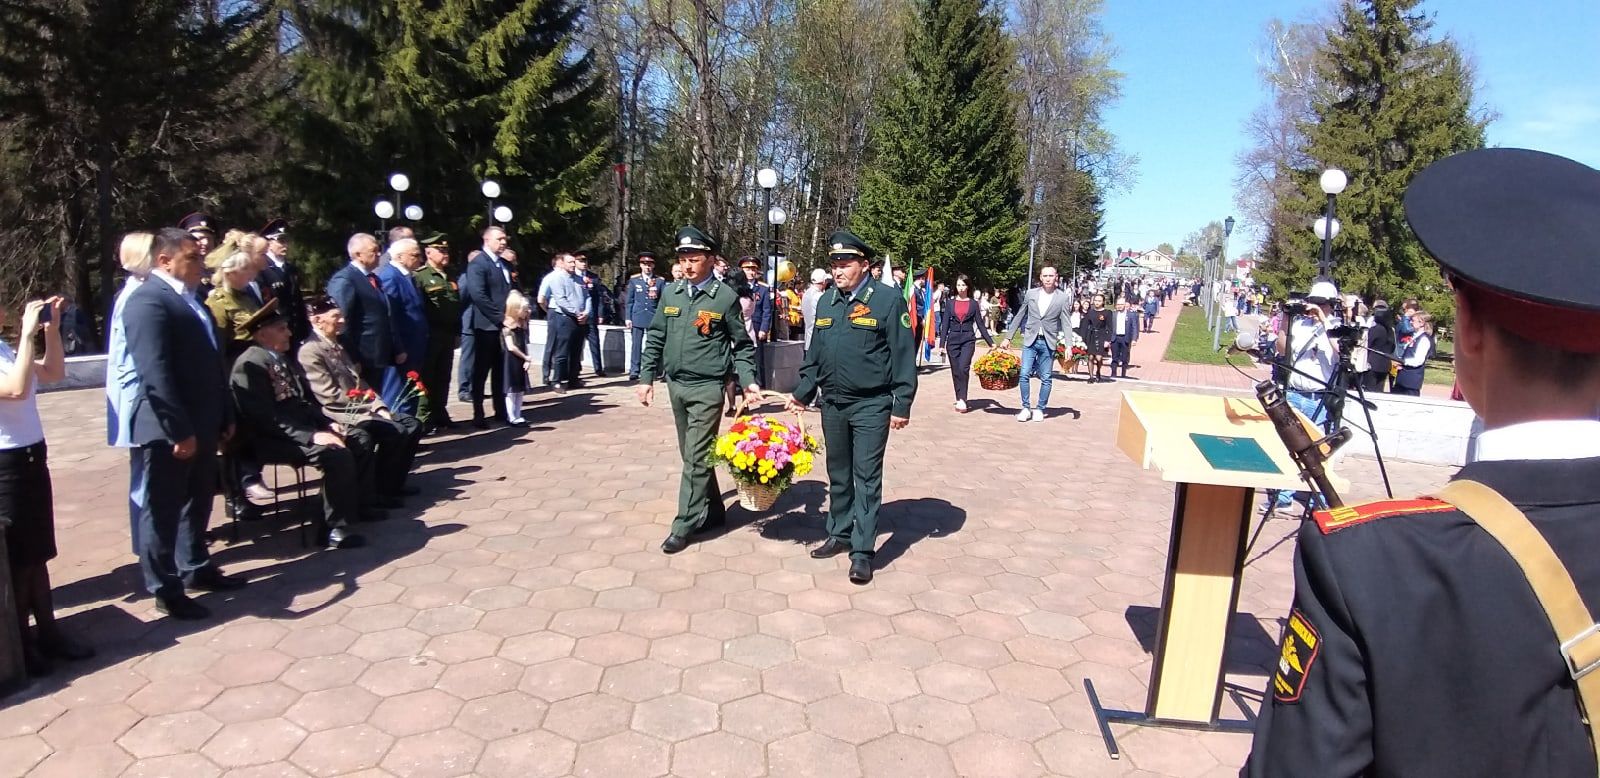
(911, 521)
(1250, 650)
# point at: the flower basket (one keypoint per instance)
(764, 455)
(998, 370)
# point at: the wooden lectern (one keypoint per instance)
(1218, 450)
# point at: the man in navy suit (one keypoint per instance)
(761, 315)
(369, 332)
(408, 313)
(1124, 331)
(484, 288)
(180, 415)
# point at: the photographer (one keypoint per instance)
(1311, 356)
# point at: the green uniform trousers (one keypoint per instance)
(697, 411)
(856, 435)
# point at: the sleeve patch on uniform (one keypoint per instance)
(1301, 644)
(905, 320)
(1335, 519)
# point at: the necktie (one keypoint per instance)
(372, 279)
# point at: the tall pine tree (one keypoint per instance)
(944, 187)
(452, 92)
(1393, 101)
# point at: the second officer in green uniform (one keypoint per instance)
(863, 360)
(695, 341)
(444, 329)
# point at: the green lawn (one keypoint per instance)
(1191, 341)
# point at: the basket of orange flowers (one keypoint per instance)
(998, 370)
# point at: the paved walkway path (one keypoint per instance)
(517, 619)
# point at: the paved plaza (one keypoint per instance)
(518, 620)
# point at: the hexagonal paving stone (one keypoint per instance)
(1015, 717)
(481, 677)
(559, 679)
(400, 676)
(1030, 681)
(584, 622)
(832, 651)
(175, 694)
(723, 624)
(626, 753)
(102, 759)
(331, 708)
(812, 754)
(536, 647)
(253, 742)
(341, 751)
(321, 640)
(389, 644)
(642, 680)
(685, 650)
(718, 755)
(415, 713)
(721, 681)
(501, 715)
(930, 718)
(89, 726)
(801, 681)
(849, 718)
(985, 755)
(973, 652)
(954, 682)
(675, 717)
(173, 733)
(535, 754)
(758, 651)
(764, 718)
(438, 754)
(897, 754)
(792, 625)
(186, 765)
(27, 717)
(879, 681)
(461, 647)
(589, 717)
(611, 648)
(446, 619)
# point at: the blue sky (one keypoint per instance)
(1190, 80)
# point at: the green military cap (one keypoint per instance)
(843, 244)
(690, 238)
(436, 240)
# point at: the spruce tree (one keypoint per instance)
(1393, 101)
(944, 187)
(452, 93)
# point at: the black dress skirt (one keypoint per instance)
(1096, 332)
(26, 500)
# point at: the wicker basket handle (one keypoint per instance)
(740, 406)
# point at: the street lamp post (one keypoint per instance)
(767, 179)
(384, 210)
(1222, 260)
(1333, 182)
(1033, 242)
(399, 182)
(491, 191)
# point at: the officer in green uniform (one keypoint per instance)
(444, 329)
(863, 360)
(696, 340)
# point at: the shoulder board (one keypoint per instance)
(1335, 519)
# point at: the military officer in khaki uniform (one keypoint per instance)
(696, 340)
(443, 302)
(863, 361)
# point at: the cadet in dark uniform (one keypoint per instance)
(863, 360)
(444, 329)
(639, 306)
(1416, 644)
(282, 280)
(695, 342)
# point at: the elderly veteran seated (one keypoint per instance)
(279, 421)
(345, 398)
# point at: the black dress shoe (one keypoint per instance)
(830, 547)
(182, 608)
(860, 571)
(341, 538)
(59, 646)
(673, 544)
(210, 579)
(480, 424)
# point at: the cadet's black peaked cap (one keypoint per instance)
(1517, 231)
(690, 238)
(844, 244)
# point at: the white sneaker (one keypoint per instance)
(1038, 414)
(1024, 415)
(961, 405)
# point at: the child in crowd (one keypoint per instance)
(514, 341)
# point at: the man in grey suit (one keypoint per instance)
(1045, 320)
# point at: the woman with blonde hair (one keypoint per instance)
(232, 302)
(122, 382)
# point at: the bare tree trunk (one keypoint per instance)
(105, 155)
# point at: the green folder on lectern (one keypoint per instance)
(1226, 452)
